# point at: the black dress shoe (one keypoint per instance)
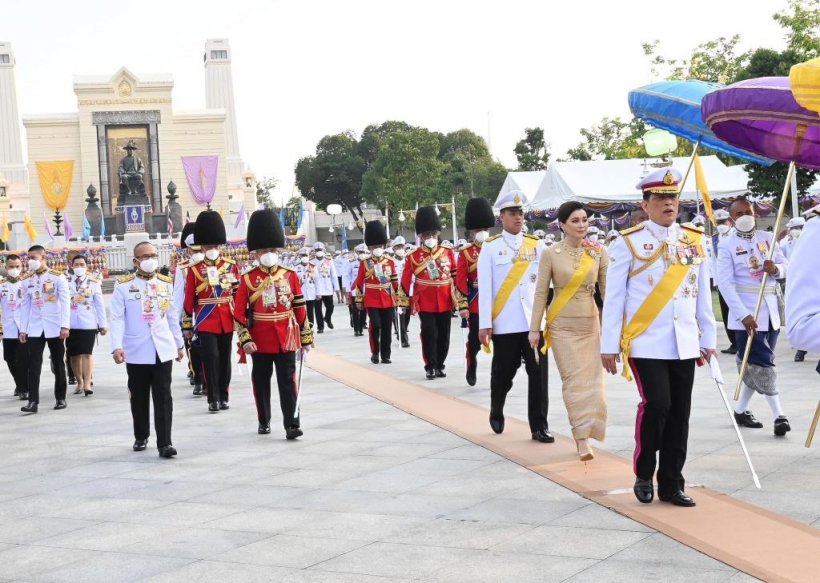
(747, 420)
(731, 350)
(543, 435)
(140, 444)
(781, 426)
(431, 374)
(223, 406)
(264, 429)
(30, 408)
(88, 392)
(197, 390)
(60, 404)
(329, 324)
(293, 432)
(440, 373)
(72, 381)
(16, 392)
(213, 407)
(497, 421)
(320, 331)
(644, 491)
(386, 361)
(800, 356)
(374, 359)
(23, 396)
(167, 452)
(405, 344)
(678, 499)
(471, 377)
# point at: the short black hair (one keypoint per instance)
(78, 256)
(36, 248)
(566, 209)
(140, 244)
(12, 257)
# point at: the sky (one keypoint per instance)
(303, 69)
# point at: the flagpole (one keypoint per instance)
(455, 229)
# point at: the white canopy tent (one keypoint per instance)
(527, 182)
(615, 180)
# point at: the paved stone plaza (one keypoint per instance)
(368, 494)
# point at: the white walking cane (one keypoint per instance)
(718, 378)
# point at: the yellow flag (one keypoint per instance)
(55, 182)
(700, 181)
(32, 232)
(222, 212)
(6, 233)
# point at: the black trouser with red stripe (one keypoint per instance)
(285, 365)
(380, 331)
(662, 423)
(435, 338)
(216, 351)
(473, 345)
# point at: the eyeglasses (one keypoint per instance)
(142, 257)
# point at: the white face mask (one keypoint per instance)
(197, 257)
(212, 254)
(723, 229)
(363, 256)
(400, 253)
(745, 224)
(149, 265)
(269, 259)
(795, 233)
(378, 252)
(14, 272)
(320, 254)
(431, 242)
(79, 271)
(33, 264)
(481, 236)
(304, 260)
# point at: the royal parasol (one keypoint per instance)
(763, 117)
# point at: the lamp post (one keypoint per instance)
(333, 210)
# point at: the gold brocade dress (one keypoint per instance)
(576, 335)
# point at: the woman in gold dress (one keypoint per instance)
(573, 329)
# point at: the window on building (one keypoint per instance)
(215, 55)
(4, 59)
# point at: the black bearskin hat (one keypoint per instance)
(375, 233)
(187, 229)
(478, 214)
(427, 220)
(210, 229)
(265, 230)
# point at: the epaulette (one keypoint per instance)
(493, 238)
(467, 246)
(127, 278)
(287, 268)
(55, 272)
(229, 260)
(691, 227)
(25, 276)
(631, 230)
(165, 278)
(531, 236)
(184, 264)
(94, 279)
(248, 269)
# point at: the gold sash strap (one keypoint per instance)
(514, 276)
(563, 298)
(433, 257)
(222, 300)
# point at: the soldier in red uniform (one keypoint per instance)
(478, 219)
(191, 254)
(375, 289)
(272, 322)
(208, 319)
(428, 270)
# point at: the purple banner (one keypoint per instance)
(201, 174)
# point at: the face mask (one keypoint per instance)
(745, 224)
(363, 256)
(320, 254)
(795, 233)
(431, 242)
(400, 253)
(481, 236)
(148, 265)
(14, 272)
(197, 257)
(378, 252)
(79, 271)
(212, 254)
(723, 229)
(304, 260)
(33, 264)
(269, 259)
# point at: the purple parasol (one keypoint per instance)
(762, 116)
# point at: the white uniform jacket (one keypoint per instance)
(87, 306)
(498, 255)
(144, 319)
(326, 278)
(11, 296)
(307, 277)
(46, 304)
(802, 297)
(685, 324)
(739, 272)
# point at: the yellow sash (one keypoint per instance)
(654, 303)
(563, 298)
(513, 278)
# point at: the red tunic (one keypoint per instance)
(372, 291)
(200, 293)
(467, 278)
(433, 287)
(274, 296)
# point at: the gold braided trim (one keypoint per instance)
(224, 300)
(377, 285)
(266, 317)
(437, 283)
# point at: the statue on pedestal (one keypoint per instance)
(131, 172)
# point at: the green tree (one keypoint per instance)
(264, 189)
(716, 60)
(802, 25)
(373, 136)
(333, 174)
(532, 151)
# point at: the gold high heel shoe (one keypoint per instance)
(585, 455)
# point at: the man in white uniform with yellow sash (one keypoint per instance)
(507, 272)
(658, 315)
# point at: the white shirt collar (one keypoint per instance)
(661, 232)
(514, 240)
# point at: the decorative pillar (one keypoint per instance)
(102, 155)
(173, 208)
(93, 213)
